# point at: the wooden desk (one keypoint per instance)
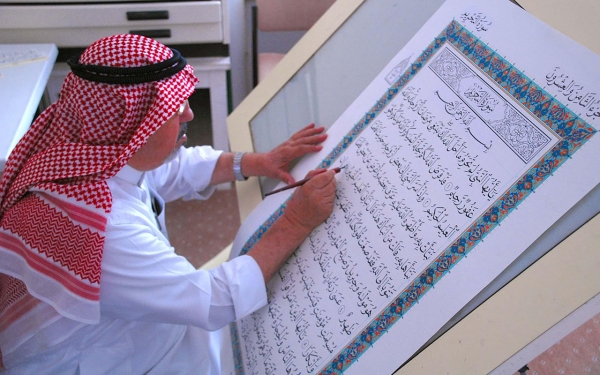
(24, 71)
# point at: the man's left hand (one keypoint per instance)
(276, 163)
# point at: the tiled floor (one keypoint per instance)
(577, 353)
(201, 229)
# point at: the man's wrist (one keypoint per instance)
(253, 164)
(237, 166)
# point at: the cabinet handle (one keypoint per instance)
(156, 33)
(148, 15)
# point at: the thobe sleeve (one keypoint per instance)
(187, 176)
(143, 279)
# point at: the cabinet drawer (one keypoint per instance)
(81, 24)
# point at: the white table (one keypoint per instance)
(24, 71)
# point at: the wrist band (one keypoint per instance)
(237, 166)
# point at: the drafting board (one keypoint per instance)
(571, 228)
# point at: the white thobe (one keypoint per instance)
(159, 315)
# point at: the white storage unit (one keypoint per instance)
(81, 23)
(202, 26)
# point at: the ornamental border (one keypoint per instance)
(573, 130)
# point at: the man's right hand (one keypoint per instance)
(308, 207)
(312, 202)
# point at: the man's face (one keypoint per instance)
(167, 139)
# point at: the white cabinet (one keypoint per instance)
(78, 25)
(73, 25)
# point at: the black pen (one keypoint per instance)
(298, 183)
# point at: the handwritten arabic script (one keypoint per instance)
(479, 99)
(413, 181)
(575, 92)
(476, 18)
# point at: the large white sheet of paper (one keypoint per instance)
(475, 139)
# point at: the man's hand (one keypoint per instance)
(312, 202)
(276, 163)
(308, 207)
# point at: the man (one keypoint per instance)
(89, 283)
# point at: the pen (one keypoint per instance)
(298, 183)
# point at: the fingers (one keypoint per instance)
(312, 139)
(305, 141)
(322, 189)
(313, 202)
(309, 131)
(315, 172)
(322, 177)
(285, 177)
(295, 151)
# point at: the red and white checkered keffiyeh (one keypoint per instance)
(54, 199)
